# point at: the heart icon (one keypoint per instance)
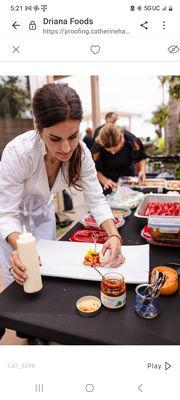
(95, 49)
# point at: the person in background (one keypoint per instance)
(88, 138)
(110, 118)
(116, 153)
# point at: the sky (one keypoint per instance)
(136, 94)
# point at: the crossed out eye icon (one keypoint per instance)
(173, 49)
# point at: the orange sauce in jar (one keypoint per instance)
(113, 291)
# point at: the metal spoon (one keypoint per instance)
(149, 288)
(152, 290)
(95, 238)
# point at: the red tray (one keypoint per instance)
(85, 235)
(145, 233)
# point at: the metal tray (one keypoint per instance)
(155, 198)
(138, 186)
(171, 182)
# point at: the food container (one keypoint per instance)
(150, 198)
(85, 236)
(165, 228)
(128, 180)
(90, 223)
(113, 291)
(154, 183)
(124, 197)
(145, 233)
(173, 185)
(149, 183)
(121, 212)
(88, 306)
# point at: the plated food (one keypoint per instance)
(154, 183)
(88, 306)
(161, 208)
(134, 182)
(158, 205)
(90, 223)
(122, 212)
(92, 258)
(85, 235)
(173, 185)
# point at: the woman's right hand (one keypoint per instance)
(17, 268)
(109, 184)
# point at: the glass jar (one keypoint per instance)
(113, 291)
(146, 307)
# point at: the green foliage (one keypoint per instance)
(175, 91)
(160, 116)
(178, 143)
(163, 79)
(160, 143)
(177, 172)
(14, 99)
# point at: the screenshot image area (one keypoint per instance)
(126, 131)
(89, 205)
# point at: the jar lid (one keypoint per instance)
(88, 306)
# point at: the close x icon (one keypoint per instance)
(16, 49)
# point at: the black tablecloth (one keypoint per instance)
(51, 314)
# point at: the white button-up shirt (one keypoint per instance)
(25, 196)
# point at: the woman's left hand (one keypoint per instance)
(115, 258)
(141, 177)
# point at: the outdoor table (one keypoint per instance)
(51, 314)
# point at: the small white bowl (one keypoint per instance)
(88, 299)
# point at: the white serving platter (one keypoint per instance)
(65, 260)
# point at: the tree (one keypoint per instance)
(167, 116)
(14, 99)
(159, 119)
(173, 119)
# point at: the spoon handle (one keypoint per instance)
(95, 238)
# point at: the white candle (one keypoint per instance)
(26, 245)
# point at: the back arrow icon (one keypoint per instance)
(144, 25)
(140, 388)
(15, 25)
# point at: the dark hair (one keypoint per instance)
(109, 136)
(54, 103)
(110, 114)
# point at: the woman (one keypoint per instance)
(39, 163)
(115, 154)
